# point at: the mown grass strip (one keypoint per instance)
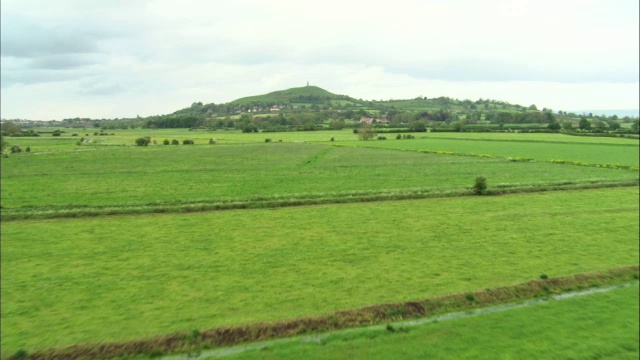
(261, 202)
(371, 315)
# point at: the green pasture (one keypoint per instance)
(69, 281)
(47, 142)
(590, 153)
(529, 137)
(604, 327)
(159, 174)
(126, 138)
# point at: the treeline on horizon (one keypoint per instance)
(316, 112)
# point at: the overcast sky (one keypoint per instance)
(108, 59)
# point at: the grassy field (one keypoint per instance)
(157, 174)
(126, 277)
(120, 278)
(606, 327)
(591, 153)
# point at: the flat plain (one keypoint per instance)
(121, 278)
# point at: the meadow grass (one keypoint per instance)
(591, 153)
(530, 137)
(162, 174)
(604, 327)
(126, 277)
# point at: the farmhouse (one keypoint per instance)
(369, 121)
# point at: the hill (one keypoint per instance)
(305, 94)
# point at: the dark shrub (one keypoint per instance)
(166, 142)
(143, 141)
(480, 185)
(187, 142)
(175, 142)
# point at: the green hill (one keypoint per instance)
(305, 94)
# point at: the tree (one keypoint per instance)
(366, 132)
(554, 126)
(567, 125)
(533, 107)
(584, 124)
(336, 124)
(418, 126)
(614, 125)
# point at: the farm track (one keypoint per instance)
(409, 313)
(260, 202)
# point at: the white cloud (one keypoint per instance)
(122, 58)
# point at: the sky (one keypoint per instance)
(126, 58)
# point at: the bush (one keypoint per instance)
(16, 149)
(175, 142)
(28, 149)
(143, 141)
(399, 137)
(166, 142)
(212, 141)
(20, 354)
(187, 142)
(544, 276)
(382, 138)
(267, 140)
(74, 134)
(471, 297)
(155, 142)
(56, 133)
(332, 139)
(480, 185)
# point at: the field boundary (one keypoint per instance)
(277, 201)
(196, 340)
(400, 326)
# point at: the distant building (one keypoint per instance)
(367, 121)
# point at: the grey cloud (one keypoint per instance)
(477, 70)
(102, 89)
(35, 76)
(61, 62)
(25, 39)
